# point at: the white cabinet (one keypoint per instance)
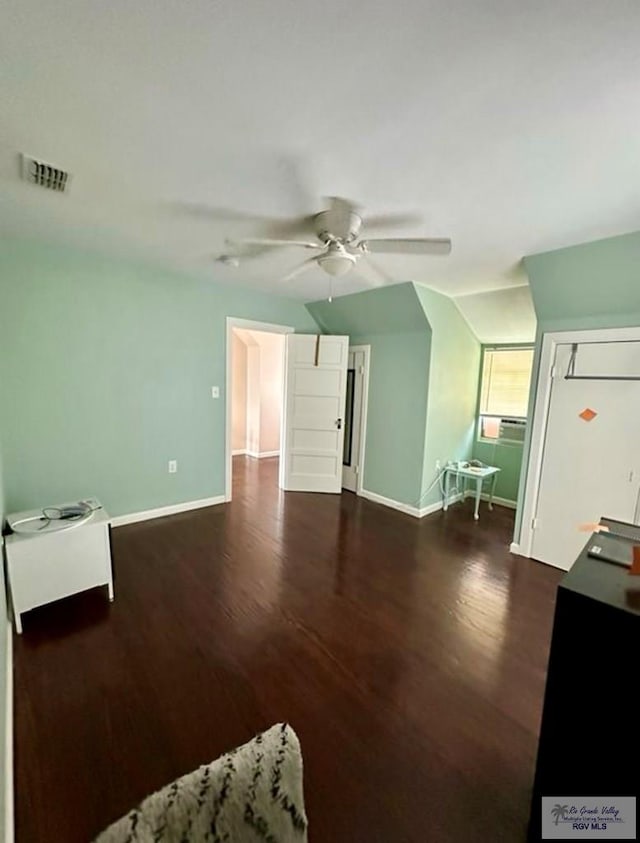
(45, 566)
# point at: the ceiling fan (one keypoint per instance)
(340, 245)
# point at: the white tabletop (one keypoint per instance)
(471, 471)
(36, 525)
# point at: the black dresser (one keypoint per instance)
(589, 736)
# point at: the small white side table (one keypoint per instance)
(43, 566)
(477, 474)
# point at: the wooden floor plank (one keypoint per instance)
(410, 657)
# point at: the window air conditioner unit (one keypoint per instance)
(512, 430)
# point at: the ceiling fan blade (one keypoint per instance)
(303, 267)
(341, 205)
(371, 272)
(278, 227)
(408, 246)
(391, 221)
(210, 212)
(270, 242)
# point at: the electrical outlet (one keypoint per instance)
(173, 466)
(438, 465)
(215, 392)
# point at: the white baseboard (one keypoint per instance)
(239, 452)
(438, 505)
(514, 548)
(401, 507)
(260, 455)
(162, 511)
(8, 748)
(505, 502)
(407, 508)
(499, 501)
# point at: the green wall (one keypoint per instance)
(422, 386)
(507, 457)
(3, 659)
(453, 387)
(391, 321)
(107, 368)
(592, 285)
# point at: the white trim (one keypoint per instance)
(401, 507)
(485, 496)
(239, 452)
(438, 505)
(9, 828)
(550, 341)
(366, 350)
(407, 508)
(260, 455)
(250, 325)
(162, 511)
(509, 504)
(514, 548)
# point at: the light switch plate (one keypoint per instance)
(215, 392)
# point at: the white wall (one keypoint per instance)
(271, 390)
(258, 368)
(253, 399)
(238, 394)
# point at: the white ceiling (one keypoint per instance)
(511, 127)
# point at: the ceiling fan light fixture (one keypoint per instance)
(336, 263)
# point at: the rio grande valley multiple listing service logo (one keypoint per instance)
(588, 817)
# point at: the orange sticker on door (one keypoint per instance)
(587, 414)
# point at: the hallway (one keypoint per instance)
(408, 655)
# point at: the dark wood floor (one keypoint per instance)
(409, 656)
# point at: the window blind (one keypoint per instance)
(506, 374)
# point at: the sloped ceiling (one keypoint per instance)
(588, 283)
(500, 316)
(511, 127)
(388, 310)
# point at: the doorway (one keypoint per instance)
(302, 391)
(355, 419)
(255, 392)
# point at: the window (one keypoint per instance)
(504, 393)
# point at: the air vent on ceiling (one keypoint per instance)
(45, 175)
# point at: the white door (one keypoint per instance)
(353, 420)
(313, 429)
(591, 463)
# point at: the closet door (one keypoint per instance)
(591, 458)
